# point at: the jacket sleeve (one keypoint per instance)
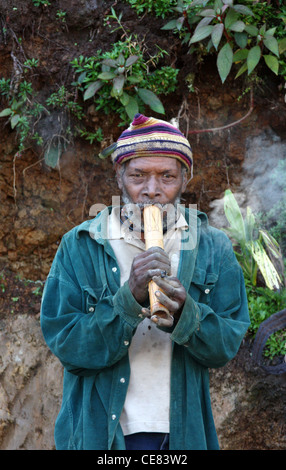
(212, 333)
(84, 342)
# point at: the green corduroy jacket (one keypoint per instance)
(88, 322)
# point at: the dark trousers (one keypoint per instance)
(147, 441)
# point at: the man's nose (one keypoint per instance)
(152, 188)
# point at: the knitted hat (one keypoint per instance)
(150, 137)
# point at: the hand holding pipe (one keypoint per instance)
(153, 234)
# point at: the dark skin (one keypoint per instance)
(160, 180)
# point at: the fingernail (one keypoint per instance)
(157, 293)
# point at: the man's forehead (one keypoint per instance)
(149, 163)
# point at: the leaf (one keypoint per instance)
(271, 243)
(81, 77)
(120, 60)
(217, 5)
(205, 21)
(253, 58)
(239, 55)
(237, 26)
(249, 224)
(241, 39)
(209, 12)
(109, 62)
(135, 78)
(266, 267)
(217, 34)
(52, 155)
(243, 9)
(118, 83)
(149, 98)
(242, 69)
(14, 120)
(234, 217)
(170, 25)
(179, 23)
(251, 29)
(201, 33)
(132, 107)
(107, 151)
(6, 112)
(282, 46)
(224, 61)
(271, 43)
(124, 98)
(131, 60)
(270, 32)
(230, 18)
(272, 63)
(92, 89)
(106, 75)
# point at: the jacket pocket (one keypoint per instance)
(92, 296)
(89, 300)
(202, 285)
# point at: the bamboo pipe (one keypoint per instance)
(153, 234)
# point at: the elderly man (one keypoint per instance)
(132, 380)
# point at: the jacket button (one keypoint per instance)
(114, 269)
(122, 380)
(113, 417)
(91, 309)
(207, 291)
(126, 343)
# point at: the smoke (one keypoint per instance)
(263, 182)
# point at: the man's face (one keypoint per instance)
(149, 180)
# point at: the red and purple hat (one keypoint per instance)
(150, 137)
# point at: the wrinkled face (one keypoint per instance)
(149, 180)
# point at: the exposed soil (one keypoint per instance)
(19, 296)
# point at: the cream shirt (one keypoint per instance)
(146, 407)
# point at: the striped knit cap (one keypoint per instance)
(150, 137)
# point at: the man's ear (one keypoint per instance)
(185, 181)
(119, 176)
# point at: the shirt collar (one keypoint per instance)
(117, 229)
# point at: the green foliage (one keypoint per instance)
(257, 248)
(65, 99)
(239, 33)
(43, 3)
(160, 7)
(91, 136)
(61, 15)
(122, 80)
(262, 303)
(21, 111)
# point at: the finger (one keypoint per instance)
(160, 321)
(157, 254)
(168, 280)
(155, 273)
(171, 288)
(171, 305)
(146, 312)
